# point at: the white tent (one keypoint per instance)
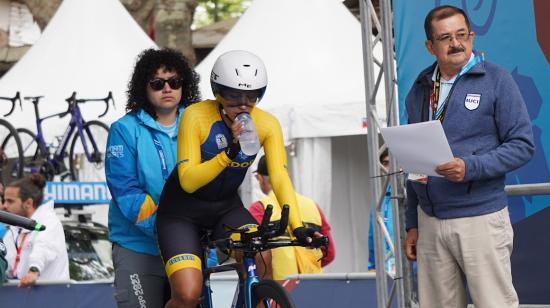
(89, 47)
(313, 53)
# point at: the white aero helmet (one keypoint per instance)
(239, 70)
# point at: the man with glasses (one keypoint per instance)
(201, 193)
(458, 226)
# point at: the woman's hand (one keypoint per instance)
(236, 129)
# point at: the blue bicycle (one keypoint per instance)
(251, 290)
(87, 149)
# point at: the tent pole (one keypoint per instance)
(402, 283)
(375, 186)
(402, 266)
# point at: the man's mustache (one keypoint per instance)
(455, 50)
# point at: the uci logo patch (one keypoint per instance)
(472, 101)
(221, 141)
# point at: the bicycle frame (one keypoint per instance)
(250, 243)
(243, 292)
(77, 122)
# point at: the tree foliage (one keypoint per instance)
(211, 11)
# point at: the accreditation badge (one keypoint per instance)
(418, 178)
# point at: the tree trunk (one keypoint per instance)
(167, 21)
(173, 19)
(143, 12)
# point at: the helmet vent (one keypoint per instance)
(256, 73)
(237, 72)
(246, 65)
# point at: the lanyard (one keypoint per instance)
(19, 249)
(438, 112)
(162, 157)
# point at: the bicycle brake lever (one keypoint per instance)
(18, 98)
(12, 100)
(110, 97)
(106, 100)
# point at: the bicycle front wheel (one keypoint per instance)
(35, 160)
(87, 156)
(31, 150)
(268, 293)
(11, 153)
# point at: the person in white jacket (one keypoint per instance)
(34, 256)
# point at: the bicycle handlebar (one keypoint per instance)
(258, 245)
(261, 239)
(73, 99)
(17, 97)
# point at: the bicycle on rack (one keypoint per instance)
(251, 290)
(87, 149)
(11, 150)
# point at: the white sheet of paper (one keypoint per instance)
(418, 147)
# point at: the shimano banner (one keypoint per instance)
(77, 192)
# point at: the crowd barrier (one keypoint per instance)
(331, 290)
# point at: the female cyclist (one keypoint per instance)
(201, 192)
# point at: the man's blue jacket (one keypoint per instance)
(487, 125)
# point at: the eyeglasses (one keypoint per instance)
(237, 98)
(447, 38)
(157, 84)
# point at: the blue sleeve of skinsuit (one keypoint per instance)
(122, 177)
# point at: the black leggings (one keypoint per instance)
(182, 220)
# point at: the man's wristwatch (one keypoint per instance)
(34, 269)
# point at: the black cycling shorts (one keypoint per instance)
(182, 220)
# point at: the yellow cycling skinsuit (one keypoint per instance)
(201, 192)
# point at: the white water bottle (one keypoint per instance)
(248, 139)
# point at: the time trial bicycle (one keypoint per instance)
(87, 149)
(251, 290)
(11, 150)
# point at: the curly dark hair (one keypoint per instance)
(147, 64)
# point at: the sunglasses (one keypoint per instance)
(157, 84)
(237, 98)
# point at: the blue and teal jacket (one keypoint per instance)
(135, 176)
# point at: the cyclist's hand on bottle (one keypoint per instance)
(234, 146)
(410, 244)
(236, 129)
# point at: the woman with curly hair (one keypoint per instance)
(141, 152)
